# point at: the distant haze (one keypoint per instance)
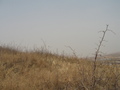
(61, 24)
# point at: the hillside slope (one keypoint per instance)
(39, 70)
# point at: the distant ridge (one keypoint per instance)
(115, 55)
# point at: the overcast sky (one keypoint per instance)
(61, 23)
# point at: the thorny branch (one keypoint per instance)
(96, 56)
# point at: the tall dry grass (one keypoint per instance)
(39, 70)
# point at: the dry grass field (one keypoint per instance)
(39, 70)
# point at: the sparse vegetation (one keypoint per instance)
(39, 70)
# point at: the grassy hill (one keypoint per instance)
(41, 70)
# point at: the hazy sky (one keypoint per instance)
(60, 23)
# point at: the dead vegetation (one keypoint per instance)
(37, 70)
